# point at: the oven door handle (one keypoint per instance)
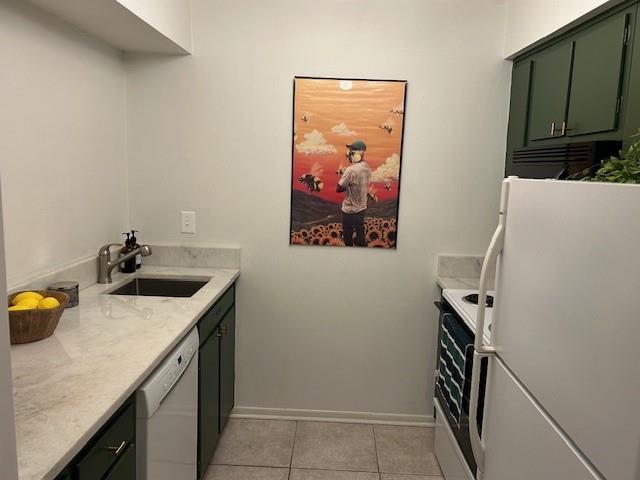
(480, 349)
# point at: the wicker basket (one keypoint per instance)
(32, 325)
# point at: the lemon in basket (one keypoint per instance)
(29, 303)
(15, 308)
(24, 295)
(48, 302)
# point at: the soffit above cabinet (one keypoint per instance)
(159, 26)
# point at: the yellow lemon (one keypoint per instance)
(21, 296)
(48, 302)
(19, 307)
(28, 302)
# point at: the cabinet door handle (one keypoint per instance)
(119, 449)
(553, 129)
(564, 129)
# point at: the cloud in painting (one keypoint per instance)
(389, 170)
(342, 130)
(314, 143)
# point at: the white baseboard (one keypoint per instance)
(333, 416)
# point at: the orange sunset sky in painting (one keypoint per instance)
(328, 117)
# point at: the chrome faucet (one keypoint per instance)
(105, 265)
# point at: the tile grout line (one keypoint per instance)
(293, 447)
(375, 448)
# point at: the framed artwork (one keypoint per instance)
(346, 159)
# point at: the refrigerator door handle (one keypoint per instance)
(480, 349)
(495, 248)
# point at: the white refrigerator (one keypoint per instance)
(563, 388)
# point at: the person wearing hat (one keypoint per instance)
(355, 183)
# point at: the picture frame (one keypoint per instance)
(346, 161)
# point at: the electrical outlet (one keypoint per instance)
(188, 222)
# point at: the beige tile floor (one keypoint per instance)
(290, 450)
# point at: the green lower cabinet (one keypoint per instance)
(596, 80)
(108, 447)
(111, 453)
(216, 375)
(208, 400)
(227, 366)
(125, 467)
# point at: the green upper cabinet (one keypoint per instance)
(631, 107)
(596, 80)
(581, 86)
(549, 90)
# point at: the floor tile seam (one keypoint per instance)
(346, 470)
(281, 467)
(411, 475)
(375, 447)
(293, 447)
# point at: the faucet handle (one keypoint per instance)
(105, 250)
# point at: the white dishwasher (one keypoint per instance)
(167, 416)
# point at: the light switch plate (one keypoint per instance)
(188, 221)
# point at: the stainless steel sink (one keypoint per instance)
(160, 287)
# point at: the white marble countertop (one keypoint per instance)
(461, 283)
(461, 272)
(67, 386)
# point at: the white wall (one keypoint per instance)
(172, 18)
(530, 20)
(62, 155)
(319, 328)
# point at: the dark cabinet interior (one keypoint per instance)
(216, 375)
(580, 87)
